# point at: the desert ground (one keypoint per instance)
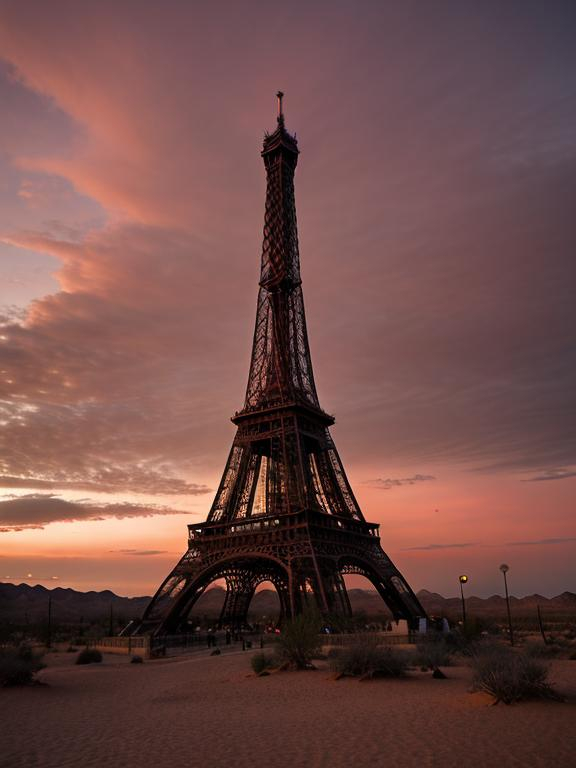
(209, 711)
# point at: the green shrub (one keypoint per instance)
(89, 656)
(300, 640)
(363, 656)
(510, 676)
(261, 662)
(18, 666)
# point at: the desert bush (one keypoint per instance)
(363, 656)
(536, 650)
(510, 676)
(89, 656)
(299, 640)
(433, 652)
(262, 661)
(18, 666)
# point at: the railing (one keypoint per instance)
(138, 645)
(318, 520)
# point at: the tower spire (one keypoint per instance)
(281, 367)
(280, 117)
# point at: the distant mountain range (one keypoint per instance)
(21, 603)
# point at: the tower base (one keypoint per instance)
(305, 555)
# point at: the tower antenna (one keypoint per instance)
(280, 117)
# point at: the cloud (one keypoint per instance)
(140, 552)
(431, 547)
(37, 511)
(540, 542)
(101, 386)
(458, 348)
(109, 480)
(551, 474)
(389, 483)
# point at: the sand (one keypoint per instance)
(211, 711)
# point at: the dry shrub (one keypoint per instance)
(538, 650)
(89, 656)
(18, 666)
(510, 676)
(300, 640)
(364, 657)
(262, 661)
(433, 652)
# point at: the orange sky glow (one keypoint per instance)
(435, 195)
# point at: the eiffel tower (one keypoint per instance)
(284, 511)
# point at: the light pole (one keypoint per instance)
(49, 633)
(505, 568)
(463, 579)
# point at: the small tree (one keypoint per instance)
(300, 640)
(18, 666)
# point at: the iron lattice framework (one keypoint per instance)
(284, 511)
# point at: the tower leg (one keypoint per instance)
(240, 587)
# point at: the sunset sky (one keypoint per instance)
(436, 192)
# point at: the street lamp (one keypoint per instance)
(463, 579)
(49, 632)
(505, 568)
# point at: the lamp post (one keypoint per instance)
(49, 632)
(463, 579)
(505, 568)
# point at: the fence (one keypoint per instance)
(386, 638)
(136, 646)
(169, 645)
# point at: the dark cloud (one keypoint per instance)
(551, 474)
(539, 542)
(397, 482)
(110, 480)
(140, 552)
(37, 511)
(431, 547)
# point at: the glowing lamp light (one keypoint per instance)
(463, 579)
